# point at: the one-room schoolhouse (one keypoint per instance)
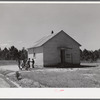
(54, 50)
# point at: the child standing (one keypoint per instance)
(33, 63)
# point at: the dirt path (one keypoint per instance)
(3, 83)
(7, 83)
(10, 67)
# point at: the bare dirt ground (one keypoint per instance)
(5, 83)
(85, 77)
(10, 67)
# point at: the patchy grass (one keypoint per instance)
(25, 82)
(59, 77)
(62, 79)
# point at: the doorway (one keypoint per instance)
(62, 54)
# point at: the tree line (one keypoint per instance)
(13, 53)
(89, 55)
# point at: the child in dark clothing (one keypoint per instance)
(33, 63)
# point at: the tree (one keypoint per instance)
(95, 55)
(13, 53)
(23, 54)
(85, 54)
(5, 53)
(90, 55)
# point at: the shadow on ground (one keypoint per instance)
(72, 66)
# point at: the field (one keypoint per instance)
(89, 77)
(86, 76)
(8, 62)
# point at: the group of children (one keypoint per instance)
(25, 64)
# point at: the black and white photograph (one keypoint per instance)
(49, 45)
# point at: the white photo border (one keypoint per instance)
(50, 93)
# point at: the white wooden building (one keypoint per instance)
(55, 49)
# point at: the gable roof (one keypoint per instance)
(44, 39)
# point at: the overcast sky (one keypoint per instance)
(23, 24)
